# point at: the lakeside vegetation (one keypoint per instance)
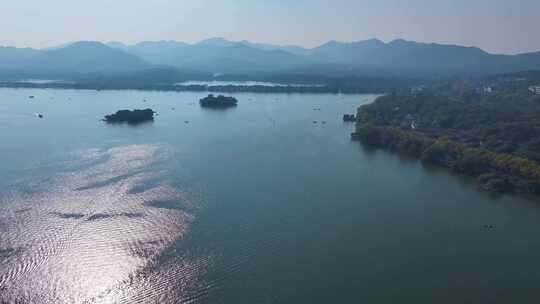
(171, 80)
(494, 137)
(332, 88)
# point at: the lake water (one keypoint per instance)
(44, 81)
(245, 83)
(263, 203)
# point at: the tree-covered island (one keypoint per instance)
(219, 101)
(130, 117)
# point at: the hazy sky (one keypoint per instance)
(500, 26)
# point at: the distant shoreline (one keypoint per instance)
(195, 88)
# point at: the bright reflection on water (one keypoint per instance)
(89, 234)
(269, 202)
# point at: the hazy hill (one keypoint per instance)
(86, 57)
(352, 52)
(216, 43)
(293, 49)
(425, 58)
(215, 55)
(236, 58)
(398, 58)
(155, 52)
(11, 57)
(71, 61)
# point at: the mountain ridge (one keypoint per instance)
(217, 55)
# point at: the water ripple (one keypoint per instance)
(95, 234)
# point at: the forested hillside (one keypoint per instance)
(495, 136)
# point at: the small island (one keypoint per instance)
(220, 102)
(130, 117)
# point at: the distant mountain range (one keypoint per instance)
(79, 58)
(398, 58)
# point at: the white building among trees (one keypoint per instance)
(535, 89)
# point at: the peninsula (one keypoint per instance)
(491, 135)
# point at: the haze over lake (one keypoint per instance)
(268, 202)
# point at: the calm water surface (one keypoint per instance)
(269, 202)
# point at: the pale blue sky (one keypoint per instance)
(500, 26)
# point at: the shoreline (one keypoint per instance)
(489, 137)
(195, 88)
(501, 173)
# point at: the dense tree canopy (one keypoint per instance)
(495, 137)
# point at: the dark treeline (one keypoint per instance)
(496, 172)
(170, 79)
(202, 88)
